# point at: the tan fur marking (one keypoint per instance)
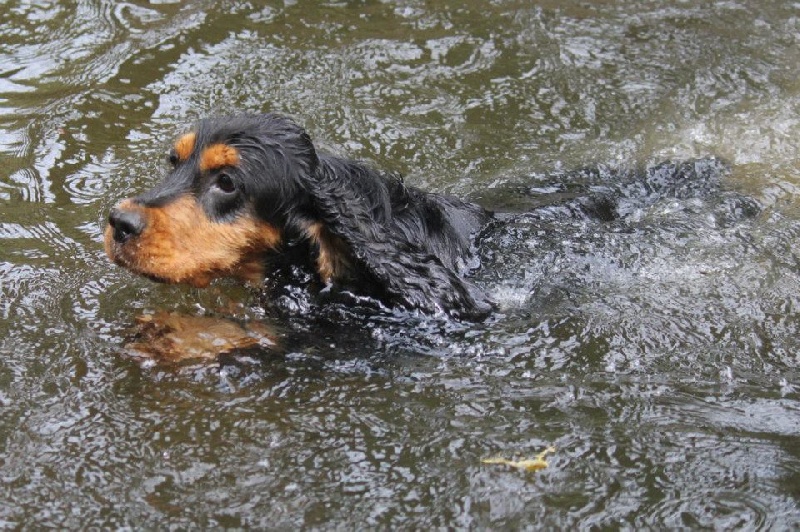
(181, 245)
(184, 146)
(218, 156)
(332, 260)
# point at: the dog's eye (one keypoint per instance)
(172, 158)
(225, 183)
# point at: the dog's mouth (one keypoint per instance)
(178, 244)
(155, 278)
(137, 265)
(197, 279)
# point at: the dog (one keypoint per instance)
(248, 194)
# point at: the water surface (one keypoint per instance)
(658, 352)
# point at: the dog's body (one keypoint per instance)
(248, 191)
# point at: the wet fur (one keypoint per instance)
(353, 225)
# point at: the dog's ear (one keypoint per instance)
(407, 274)
(287, 136)
(304, 149)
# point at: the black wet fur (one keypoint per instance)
(407, 247)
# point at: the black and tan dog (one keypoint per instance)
(248, 192)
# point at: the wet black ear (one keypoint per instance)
(407, 274)
(292, 139)
(307, 151)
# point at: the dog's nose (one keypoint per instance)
(126, 224)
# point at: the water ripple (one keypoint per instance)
(657, 351)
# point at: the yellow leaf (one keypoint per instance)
(534, 464)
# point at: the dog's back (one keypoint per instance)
(249, 192)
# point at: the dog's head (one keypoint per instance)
(240, 187)
(233, 188)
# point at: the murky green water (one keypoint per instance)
(658, 353)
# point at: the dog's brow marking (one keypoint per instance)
(218, 156)
(184, 146)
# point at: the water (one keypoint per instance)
(657, 351)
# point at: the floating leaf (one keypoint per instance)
(534, 464)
